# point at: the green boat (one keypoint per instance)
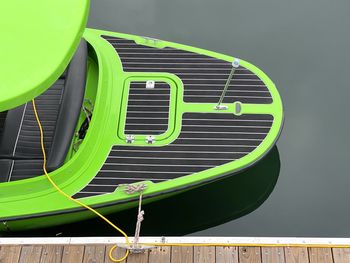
(120, 114)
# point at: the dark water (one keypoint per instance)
(302, 187)
(304, 46)
(199, 209)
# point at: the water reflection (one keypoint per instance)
(195, 210)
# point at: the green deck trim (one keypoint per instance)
(176, 95)
(90, 94)
(33, 196)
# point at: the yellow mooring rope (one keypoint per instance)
(306, 245)
(157, 244)
(75, 200)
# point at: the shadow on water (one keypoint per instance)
(201, 208)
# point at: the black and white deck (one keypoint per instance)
(206, 140)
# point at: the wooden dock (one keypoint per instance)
(98, 252)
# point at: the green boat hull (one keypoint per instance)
(91, 172)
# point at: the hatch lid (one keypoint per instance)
(38, 39)
(148, 115)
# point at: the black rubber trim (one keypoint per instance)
(11, 127)
(5, 168)
(2, 121)
(69, 112)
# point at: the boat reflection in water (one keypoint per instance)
(201, 208)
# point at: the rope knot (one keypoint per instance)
(140, 216)
(134, 188)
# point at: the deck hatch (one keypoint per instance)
(148, 111)
(148, 108)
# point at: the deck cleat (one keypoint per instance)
(150, 139)
(130, 138)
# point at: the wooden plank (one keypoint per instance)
(10, 254)
(199, 254)
(73, 254)
(341, 255)
(226, 255)
(320, 255)
(181, 254)
(272, 255)
(51, 254)
(30, 254)
(117, 254)
(94, 253)
(204, 254)
(160, 255)
(249, 254)
(139, 258)
(296, 255)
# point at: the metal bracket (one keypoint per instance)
(221, 107)
(235, 65)
(150, 84)
(163, 240)
(130, 138)
(136, 250)
(150, 139)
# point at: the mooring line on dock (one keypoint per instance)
(73, 199)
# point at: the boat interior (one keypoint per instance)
(59, 109)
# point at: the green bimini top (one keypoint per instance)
(38, 39)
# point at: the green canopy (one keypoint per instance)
(37, 40)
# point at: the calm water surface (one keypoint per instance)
(302, 187)
(304, 47)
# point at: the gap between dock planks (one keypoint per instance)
(203, 254)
